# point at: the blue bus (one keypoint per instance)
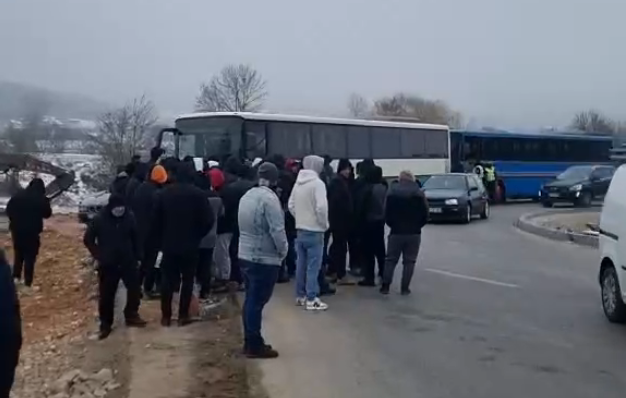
(525, 161)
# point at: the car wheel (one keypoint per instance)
(612, 303)
(486, 210)
(547, 204)
(467, 218)
(585, 199)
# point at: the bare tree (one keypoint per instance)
(593, 122)
(424, 110)
(237, 88)
(358, 106)
(123, 132)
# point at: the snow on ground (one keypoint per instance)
(85, 168)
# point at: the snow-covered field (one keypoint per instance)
(85, 167)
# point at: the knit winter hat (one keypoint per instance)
(158, 174)
(268, 171)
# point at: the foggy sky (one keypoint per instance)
(519, 63)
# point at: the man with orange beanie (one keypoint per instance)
(142, 204)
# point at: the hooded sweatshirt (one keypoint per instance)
(308, 202)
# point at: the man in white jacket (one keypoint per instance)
(309, 206)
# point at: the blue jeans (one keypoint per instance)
(259, 280)
(310, 253)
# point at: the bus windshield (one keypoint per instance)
(205, 137)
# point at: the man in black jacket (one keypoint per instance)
(143, 204)
(182, 217)
(11, 329)
(112, 240)
(340, 217)
(286, 181)
(119, 184)
(26, 211)
(139, 176)
(406, 212)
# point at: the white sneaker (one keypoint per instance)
(300, 301)
(316, 305)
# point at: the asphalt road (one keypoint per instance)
(494, 313)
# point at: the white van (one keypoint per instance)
(613, 248)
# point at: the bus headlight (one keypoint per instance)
(452, 202)
(576, 188)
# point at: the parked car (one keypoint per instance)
(579, 185)
(456, 196)
(612, 244)
(91, 205)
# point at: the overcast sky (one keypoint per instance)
(516, 63)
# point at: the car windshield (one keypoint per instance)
(575, 173)
(209, 136)
(445, 182)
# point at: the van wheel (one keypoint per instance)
(547, 204)
(585, 199)
(486, 210)
(612, 303)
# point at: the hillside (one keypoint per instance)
(17, 98)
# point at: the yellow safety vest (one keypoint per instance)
(490, 174)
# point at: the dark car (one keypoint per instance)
(456, 196)
(579, 185)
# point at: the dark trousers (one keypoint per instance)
(355, 251)
(490, 186)
(325, 259)
(8, 363)
(177, 271)
(150, 276)
(259, 280)
(408, 246)
(233, 250)
(290, 260)
(203, 272)
(109, 277)
(337, 253)
(26, 249)
(373, 249)
(288, 267)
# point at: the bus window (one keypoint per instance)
(436, 144)
(290, 139)
(329, 139)
(412, 143)
(204, 137)
(385, 143)
(473, 148)
(359, 141)
(254, 133)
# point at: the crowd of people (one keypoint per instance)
(230, 224)
(252, 225)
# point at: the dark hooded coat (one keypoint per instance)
(113, 241)
(182, 215)
(27, 209)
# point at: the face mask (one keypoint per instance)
(118, 211)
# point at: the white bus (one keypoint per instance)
(395, 146)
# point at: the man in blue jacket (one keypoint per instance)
(10, 329)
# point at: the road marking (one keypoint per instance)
(471, 278)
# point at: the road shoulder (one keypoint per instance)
(557, 225)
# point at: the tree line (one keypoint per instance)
(130, 129)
